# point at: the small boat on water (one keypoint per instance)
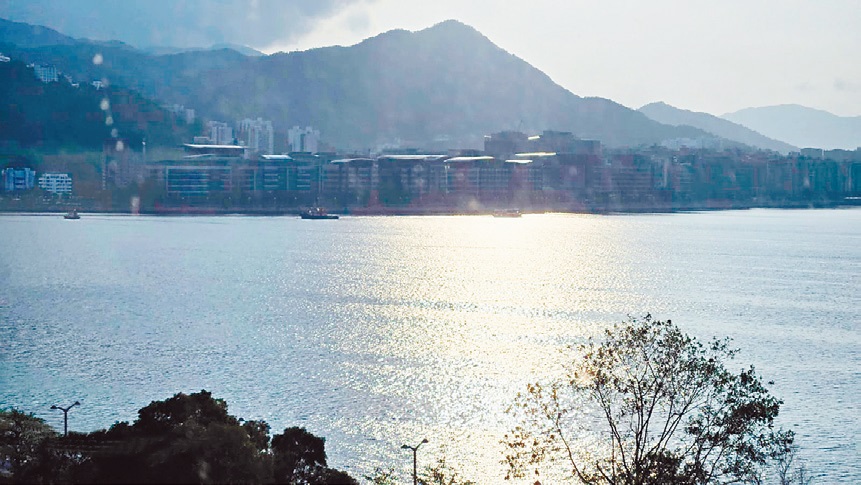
(317, 213)
(72, 214)
(507, 213)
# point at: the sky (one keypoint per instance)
(715, 56)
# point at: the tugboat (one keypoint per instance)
(317, 213)
(72, 214)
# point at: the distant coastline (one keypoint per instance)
(431, 211)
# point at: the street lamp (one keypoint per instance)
(415, 453)
(66, 416)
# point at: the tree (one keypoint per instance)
(441, 473)
(298, 455)
(182, 410)
(791, 472)
(649, 405)
(22, 437)
(188, 438)
(382, 476)
(258, 433)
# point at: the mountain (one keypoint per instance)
(802, 126)
(669, 115)
(446, 84)
(26, 35)
(242, 49)
(164, 50)
(59, 115)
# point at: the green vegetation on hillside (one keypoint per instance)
(57, 115)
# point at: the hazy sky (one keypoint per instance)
(715, 56)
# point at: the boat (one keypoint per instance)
(317, 213)
(72, 214)
(507, 213)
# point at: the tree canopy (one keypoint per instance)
(648, 404)
(188, 438)
(21, 437)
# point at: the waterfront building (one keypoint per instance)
(584, 176)
(552, 141)
(352, 181)
(56, 183)
(505, 144)
(407, 179)
(214, 150)
(17, 179)
(274, 172)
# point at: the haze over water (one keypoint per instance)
(379, 331)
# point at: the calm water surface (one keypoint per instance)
(379, 331)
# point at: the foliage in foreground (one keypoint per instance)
(440, 473)
(184, 439)
(648, 404)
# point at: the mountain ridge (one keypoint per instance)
(446, 85)
(168, 50)
(802, 126)
(25, 35)
(667, 114)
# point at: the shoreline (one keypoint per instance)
(406, 211)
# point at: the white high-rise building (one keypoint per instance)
(220, 133)
(303, 139)
(258, 135)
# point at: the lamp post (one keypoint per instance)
(415, 458)
(66, 416)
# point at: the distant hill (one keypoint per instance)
(669, 115)
(164, 50)
(59, 115)
(801, 126)
(447, 84)
(26, 35)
